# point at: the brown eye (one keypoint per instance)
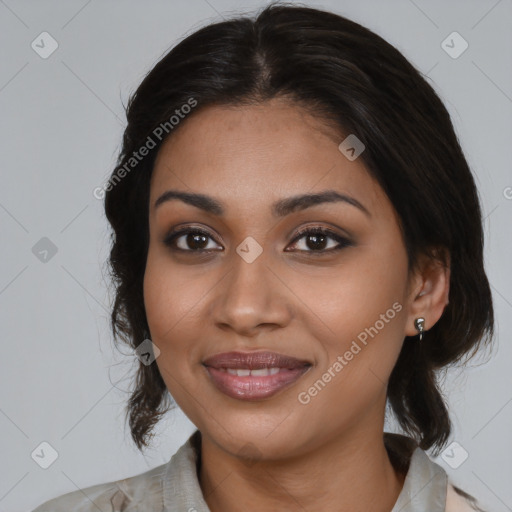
(189, 240)
(316, 240)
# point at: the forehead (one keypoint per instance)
(256, 154)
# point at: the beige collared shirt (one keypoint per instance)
(174, 486)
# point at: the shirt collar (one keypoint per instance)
(424, 487)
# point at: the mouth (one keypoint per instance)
(254, 375)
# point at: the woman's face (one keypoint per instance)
(254, 280)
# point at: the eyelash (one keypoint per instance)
(342, 242)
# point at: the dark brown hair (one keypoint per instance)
(348, 75)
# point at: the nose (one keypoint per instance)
(251, 297)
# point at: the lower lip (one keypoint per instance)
(254, 387)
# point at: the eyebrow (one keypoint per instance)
(280, 208)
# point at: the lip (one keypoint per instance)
(254, 360)
(254, 387)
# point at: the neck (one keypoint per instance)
(343, 474)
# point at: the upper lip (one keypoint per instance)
(254, 360)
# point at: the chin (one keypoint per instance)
(258, 436)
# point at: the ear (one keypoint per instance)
(429, 288)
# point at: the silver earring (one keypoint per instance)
(419, 323)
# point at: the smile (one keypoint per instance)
(246, 384)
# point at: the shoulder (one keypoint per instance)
(459, 501)
(117, 496)
(426, 481)
(170, 486)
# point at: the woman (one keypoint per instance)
(298, 242)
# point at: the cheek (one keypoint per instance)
(362, 303)
(364, 310)
(174, 301)
(168, 302)
(170, 295)
(358, 292)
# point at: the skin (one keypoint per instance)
(277, 453)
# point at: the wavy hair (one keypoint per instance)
(356, 81)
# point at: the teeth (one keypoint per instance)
(241, 373)
(262, 372)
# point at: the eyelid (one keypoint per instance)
(178, 232)
(331, 231)
(342, 241)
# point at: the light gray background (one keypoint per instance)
(62, 119)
